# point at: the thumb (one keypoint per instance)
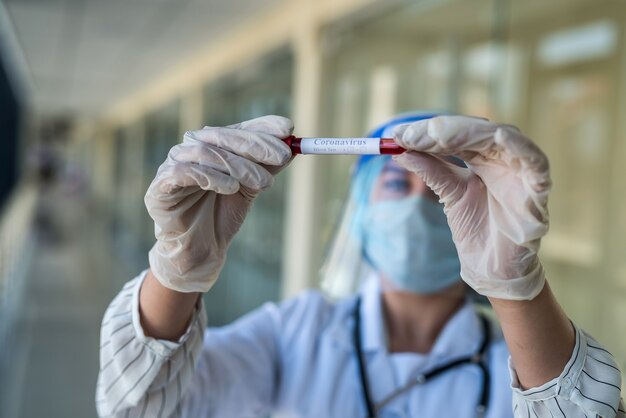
(447, 180)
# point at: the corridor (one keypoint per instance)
(69, 280)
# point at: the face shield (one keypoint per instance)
(345, 266)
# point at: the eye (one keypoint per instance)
(396, 185)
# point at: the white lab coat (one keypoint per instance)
(297, 359)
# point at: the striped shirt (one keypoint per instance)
(296, 359)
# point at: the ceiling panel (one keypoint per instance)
(38, 34)
(85, 54)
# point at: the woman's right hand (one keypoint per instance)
(202, 193)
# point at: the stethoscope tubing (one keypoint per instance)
(479, 359)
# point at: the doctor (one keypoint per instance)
(409, 344)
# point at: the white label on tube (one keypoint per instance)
(354, 146)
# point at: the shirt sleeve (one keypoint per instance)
(215, 372)
(238, 372)
(142, 376)
(241, 365)
(589, 386)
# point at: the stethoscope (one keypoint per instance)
(478, 358)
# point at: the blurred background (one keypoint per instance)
(94, 93)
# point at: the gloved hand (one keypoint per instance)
(496, 207)
(202, 193)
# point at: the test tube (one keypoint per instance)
(344, 146)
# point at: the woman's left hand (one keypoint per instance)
(496, 207)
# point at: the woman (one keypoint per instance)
(409, 344)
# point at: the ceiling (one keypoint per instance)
(81, 56)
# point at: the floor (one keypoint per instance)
(70, 278)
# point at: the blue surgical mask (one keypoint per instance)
(410, 243)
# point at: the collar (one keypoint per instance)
(460, 336)
(372, 318)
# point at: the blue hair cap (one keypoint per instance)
(400, 119)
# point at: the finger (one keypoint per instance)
(172, 178)
(447, 180)
(246, 172)
(479, 142)
(533, 164)
(275, 169)
(277, 126)
(447, 135)
(461, 136)
(259, 147)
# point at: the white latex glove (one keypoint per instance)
(496, 208)
(202, 193)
